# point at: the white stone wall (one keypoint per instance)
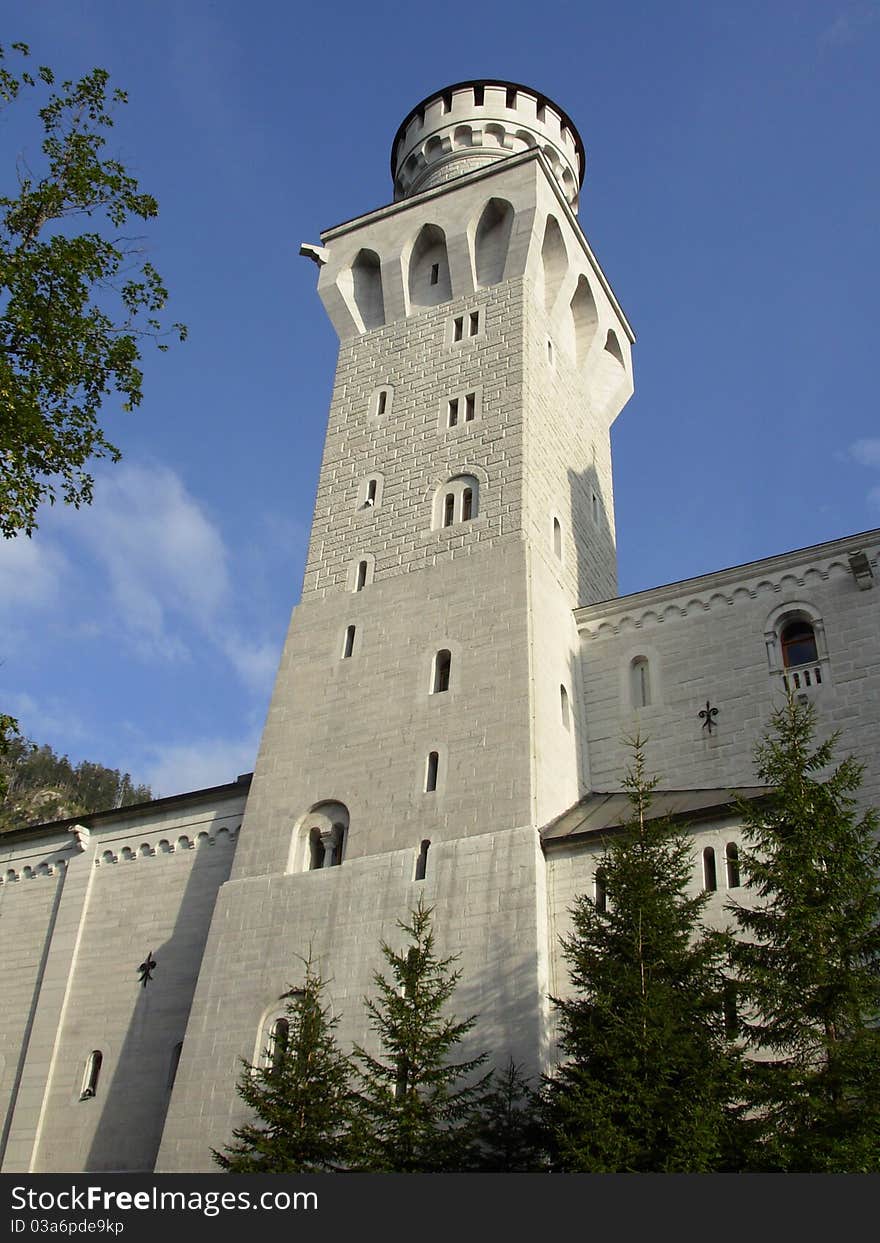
(484, 893)
(144, 882)
(33, 871)
(707, 639)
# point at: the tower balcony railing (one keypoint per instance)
(802, 677)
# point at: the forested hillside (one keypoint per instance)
(43, 786)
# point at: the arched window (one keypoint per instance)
(279, 1035)
(422, 861)
(320, 838)
(600, 897)
(798, 642)
(731, 858)
(371, 492)
(91, 1075)
(442, 670)
(431, 772)
(710, 880)
(640, 682)
(557, 538)
(348, 646)
(564, 707)
(457, 500)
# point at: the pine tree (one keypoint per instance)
(808, 963)
(415, 1113)
(301, 1094)
(510, 1136)
(648, 1076)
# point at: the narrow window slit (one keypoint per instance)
(431, 774)
(92, 1075)
(348, 647)
(422, 861)
(710, 880)
(469, 406)
(442, 670)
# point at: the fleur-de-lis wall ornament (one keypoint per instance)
(146, 969)
(707, 715)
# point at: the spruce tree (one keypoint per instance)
(647, 1077)
(510, 1135)
(415, 1110)
(301, 1095)
(808, 961)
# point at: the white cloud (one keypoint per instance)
(160, 553)
(31, 573)
(177, 767)
(45, 720)
(144, 567)
(866, 452)
(848, 26)
(255, 663)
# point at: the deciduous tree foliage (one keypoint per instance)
(76, 296)
(416, 1112)
(648, 1076)
(808, 956)
(301, 1095)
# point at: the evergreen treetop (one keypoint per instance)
(300, 1094)
(808, 959)
(415, 1111)
(648, 1076)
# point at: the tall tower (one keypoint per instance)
(426, 719)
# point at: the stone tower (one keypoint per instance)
(427, 720)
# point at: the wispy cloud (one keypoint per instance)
(32, 573)
(849, 25)
(147, 568)
(867, 453)
(45, 719)
(160, 554)
(174, 767)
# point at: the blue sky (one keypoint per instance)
(731, 196)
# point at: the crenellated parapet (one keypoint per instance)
(471, 124)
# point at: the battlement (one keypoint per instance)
(471, 124)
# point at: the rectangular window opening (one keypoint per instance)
(435, 273)
(470, 402)
(453, 412)
(458, 328)
(383, 401)
(474, 323)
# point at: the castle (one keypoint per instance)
(455, 688)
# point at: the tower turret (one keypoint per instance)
(471, 124)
